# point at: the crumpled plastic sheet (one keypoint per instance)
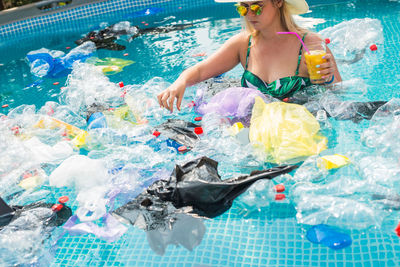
(353, 35)
(287, 133)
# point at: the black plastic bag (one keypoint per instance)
(197, 185)
(105, 38)
(171, 210)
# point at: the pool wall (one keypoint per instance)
(71, 18)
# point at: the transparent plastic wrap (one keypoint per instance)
(351, 202)
(350, 37)
(380, 170)
(338, 211)
(87, 86)
(21, 239)
(382, 133)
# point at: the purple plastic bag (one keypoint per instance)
(235, 101)
(111, 231)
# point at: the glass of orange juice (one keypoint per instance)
(314, 57)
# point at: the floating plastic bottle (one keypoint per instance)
(259, 196)
(315, 168)
(325, 126)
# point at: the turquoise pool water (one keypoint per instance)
(269, 238)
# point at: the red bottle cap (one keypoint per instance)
(5, 106)
(56, 83)
(63, 199)
(280, 196)
(286, 99)
(15, 129)
(27, 175)
(373, 47)
(398, 230)
(156, 133)
(279, 188)
(198, 130)
(57, 207)
(327, 41)
(198, 118)
(121, 84)
(182, 149)
(68, 47)
(126, 54)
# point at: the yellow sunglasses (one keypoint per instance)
(243, 10)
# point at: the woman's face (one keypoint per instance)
(269, 13)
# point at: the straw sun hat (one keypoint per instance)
(295, 6)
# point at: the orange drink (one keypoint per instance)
(315, 58)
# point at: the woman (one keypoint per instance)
(273, 63)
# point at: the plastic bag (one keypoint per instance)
(235, 101)
(286, 132)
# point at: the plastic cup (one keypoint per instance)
(314, 58)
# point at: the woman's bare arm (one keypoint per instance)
(226, 58)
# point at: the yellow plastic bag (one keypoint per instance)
(287, 133)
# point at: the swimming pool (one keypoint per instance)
(269, 238)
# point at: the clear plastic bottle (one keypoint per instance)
(259, 196)
(325, 126)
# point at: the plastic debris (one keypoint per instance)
(109, 65)
(286, 133)
(236, 101)
(44, 62)
(328, 236)
(333, 161)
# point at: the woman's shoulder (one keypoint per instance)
(242, 37)
(239, 40)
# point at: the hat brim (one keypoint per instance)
(295, 7)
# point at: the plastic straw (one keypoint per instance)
(298, 37)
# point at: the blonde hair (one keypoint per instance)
(286, 19)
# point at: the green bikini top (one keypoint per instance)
(281, 88)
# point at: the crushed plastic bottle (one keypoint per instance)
(259, 196)
(341, 212)
(325, 126)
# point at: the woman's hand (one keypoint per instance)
(167, 97)
(327, 70)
